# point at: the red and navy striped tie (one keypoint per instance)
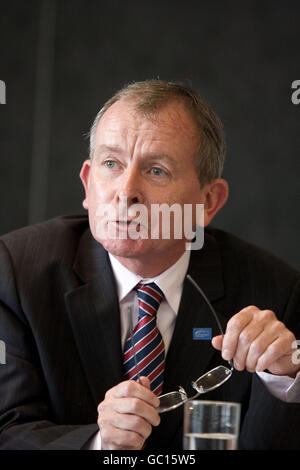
(148, 342)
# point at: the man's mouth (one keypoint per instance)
(123, 222)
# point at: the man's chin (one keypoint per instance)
(127, 248)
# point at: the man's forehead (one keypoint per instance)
(124, 116)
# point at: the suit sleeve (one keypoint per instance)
(25, 411)
(269, 422)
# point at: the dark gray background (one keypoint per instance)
(62, 59)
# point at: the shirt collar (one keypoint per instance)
(169, 281)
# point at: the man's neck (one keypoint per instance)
(148, 268)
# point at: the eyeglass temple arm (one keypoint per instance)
(132, 343)
(198, 288)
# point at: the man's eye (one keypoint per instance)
(157, 171)
(110, 164)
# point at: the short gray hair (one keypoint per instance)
(150, 95)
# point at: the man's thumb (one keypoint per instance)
(217, 342)
(145, 382)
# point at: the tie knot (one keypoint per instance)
(150, 297)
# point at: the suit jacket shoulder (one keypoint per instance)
(256, 267)
(34, 250)
(50, 236)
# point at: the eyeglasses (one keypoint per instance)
(207, 382)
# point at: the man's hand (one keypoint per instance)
(255, 340)
(127, 414)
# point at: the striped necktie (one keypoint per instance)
(148, 342)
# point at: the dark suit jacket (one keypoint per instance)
(59, 318)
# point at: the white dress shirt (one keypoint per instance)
(171, 284)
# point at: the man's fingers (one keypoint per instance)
(133, 423)
(233, 330)
(138, 408)
(265, 341)
(270, 355)
(251, 344)
(130, 388)
(277, 358)
(255, 340)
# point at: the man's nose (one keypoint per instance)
(131, 187)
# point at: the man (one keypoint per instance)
(70, 289)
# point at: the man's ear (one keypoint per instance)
(84, 176)
(216, 195)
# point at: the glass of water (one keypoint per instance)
(211, 425)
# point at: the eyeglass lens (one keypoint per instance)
(207, 382)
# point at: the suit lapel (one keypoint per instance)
(95, 318)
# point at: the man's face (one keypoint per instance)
(144, 161)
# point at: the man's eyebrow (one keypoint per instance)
(155, 157)
(107, 148)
